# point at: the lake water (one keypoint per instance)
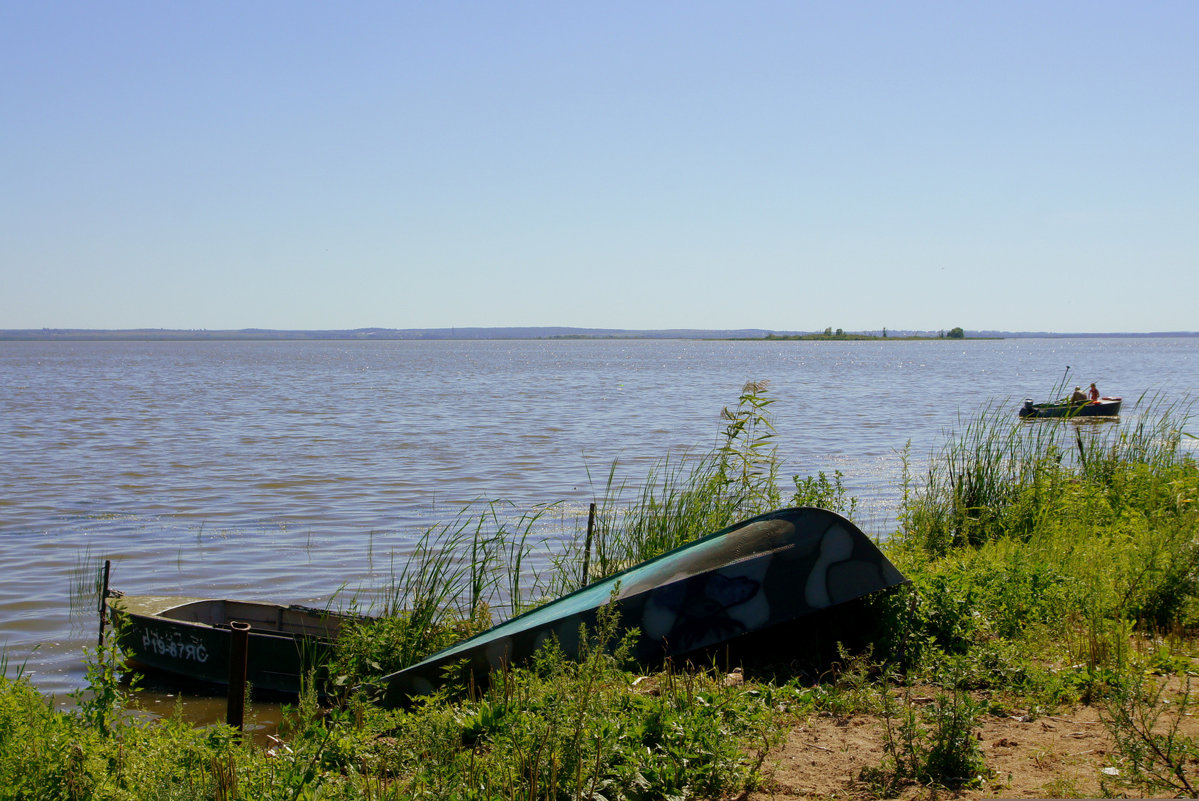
(291, 471)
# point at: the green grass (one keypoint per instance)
(1054, 564)
(558, 728)
(1051, 564)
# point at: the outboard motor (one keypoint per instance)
(1027, 409)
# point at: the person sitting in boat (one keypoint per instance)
(1079, 396)
(1093, 393)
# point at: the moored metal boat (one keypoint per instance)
(190, 638)
(1104, 407)
(762, 578)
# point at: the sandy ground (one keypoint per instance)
(1057, 756)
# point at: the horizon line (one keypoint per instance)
(525, 332)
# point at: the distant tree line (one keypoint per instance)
(840, 333)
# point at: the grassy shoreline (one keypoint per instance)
(1054, 569)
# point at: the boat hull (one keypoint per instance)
(1104, 407)
(765, 575)
(190, 638)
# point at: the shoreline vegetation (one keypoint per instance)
(1046, 647)
(843, 336)
(520, 333)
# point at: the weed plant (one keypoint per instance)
(1145, 722)
(690, 496)
(933, 745)
(584, 729)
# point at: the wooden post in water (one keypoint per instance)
(239, 646)
(104, 601)
(587, 547)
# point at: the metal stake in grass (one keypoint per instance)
(239, 645)
(103, 600)
(587, 547)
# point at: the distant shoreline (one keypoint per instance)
(843, 336)
(531, 333)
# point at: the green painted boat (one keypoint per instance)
(764, 582)
(189, 638)
(1104, 407)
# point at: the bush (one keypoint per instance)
(936, 745)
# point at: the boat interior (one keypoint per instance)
(262, 617)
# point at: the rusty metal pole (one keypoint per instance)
(239, 646)
(104, 601)
(587, 547)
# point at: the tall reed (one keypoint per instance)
(455, 581)
(997, 475)
(689, 496)
(489, 563)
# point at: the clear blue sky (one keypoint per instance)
(783, 165)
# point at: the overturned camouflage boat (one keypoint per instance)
(762, 583)
(189, 638)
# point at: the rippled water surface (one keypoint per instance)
(291, 471)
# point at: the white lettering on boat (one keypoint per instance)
(174, 646)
